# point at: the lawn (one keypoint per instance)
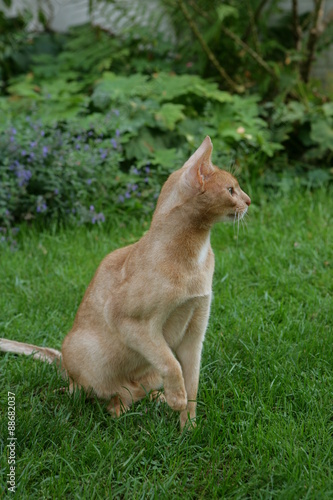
(265, 403)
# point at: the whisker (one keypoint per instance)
(238, 218)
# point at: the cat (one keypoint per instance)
(142, 321)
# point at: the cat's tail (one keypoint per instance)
(43, 353)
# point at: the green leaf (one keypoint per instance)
(322, 134)
(224, 11)
(170, 114)
(166, 157)
(293, 111)
(24, 89)
(142, 146)
(328, 109)
(318, 177)
(122, 87)
(167, 87)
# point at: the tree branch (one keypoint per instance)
(211, 56)
(314, 34)
(297, 26)
(250, 51)
(256, 16)
(237, 40)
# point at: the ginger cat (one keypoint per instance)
(142, 320)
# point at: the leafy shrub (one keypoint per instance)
(65, 172)
(80, 142)
(104, 157)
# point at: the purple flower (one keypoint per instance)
(45, 151)
(116, 112)
(146, 180)
(14, 131)
(56, 191)
(114, 143)
(134, 187)
(42, 133)
(23, 177)
(41, 207)
(33, 144)
(86, 147)
(117, 132)
(136, 171)
(147, 169)
(23, 153)
(77, 146)
(99, 217)
(127, 195)
(12, 138)
(91, 208)
(89, 181)
(121, 198)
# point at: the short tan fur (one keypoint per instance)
(142, 321)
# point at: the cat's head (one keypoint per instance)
(204, 191)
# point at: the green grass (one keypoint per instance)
(265, 404)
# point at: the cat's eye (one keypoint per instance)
(231, 190)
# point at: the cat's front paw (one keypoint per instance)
(176, 399)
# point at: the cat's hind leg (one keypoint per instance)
(133, 391)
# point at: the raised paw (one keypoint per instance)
(176, 399)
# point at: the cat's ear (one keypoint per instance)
(199, 166)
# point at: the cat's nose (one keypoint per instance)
(248, 201)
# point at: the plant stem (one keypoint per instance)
(314, 34)
(211, 56)
(237, 40)
(297, 26)
(250, 51)
(256, 16)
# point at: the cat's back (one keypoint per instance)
(106, 279)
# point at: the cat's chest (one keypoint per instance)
(195, 280)
(180, 318)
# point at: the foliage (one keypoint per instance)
(127, 126)
(89, 90)
(67, 172)
(13, 42)
(265, 46)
